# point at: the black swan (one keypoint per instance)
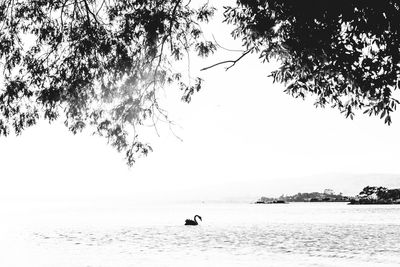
(193, 222)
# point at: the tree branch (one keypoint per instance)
(233, 62)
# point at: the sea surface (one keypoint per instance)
(89, 234)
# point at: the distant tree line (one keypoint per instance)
(327, 196)
(369, 195)
(377, 195)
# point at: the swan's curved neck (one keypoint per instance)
(195, 218)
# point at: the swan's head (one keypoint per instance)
(199, 217)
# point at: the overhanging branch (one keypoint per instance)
(233, 62)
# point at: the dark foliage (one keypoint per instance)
(97, 63)
(346, 53)
(377, 195)
(101, 63)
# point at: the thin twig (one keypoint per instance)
(233, 62)
(100, 7)
(230, 50)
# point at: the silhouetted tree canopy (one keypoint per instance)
(100, 63)
(97, 62)
(344, 52)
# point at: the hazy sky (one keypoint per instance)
(242, 138)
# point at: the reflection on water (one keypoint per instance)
(240, 235)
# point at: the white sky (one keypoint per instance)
(242, 138)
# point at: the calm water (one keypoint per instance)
(123, 234)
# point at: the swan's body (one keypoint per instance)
(193, 222)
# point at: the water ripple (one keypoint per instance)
(362, 242)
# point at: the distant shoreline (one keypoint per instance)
(327, 196)
(289, 202)
(373, 203)
(370, 195)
